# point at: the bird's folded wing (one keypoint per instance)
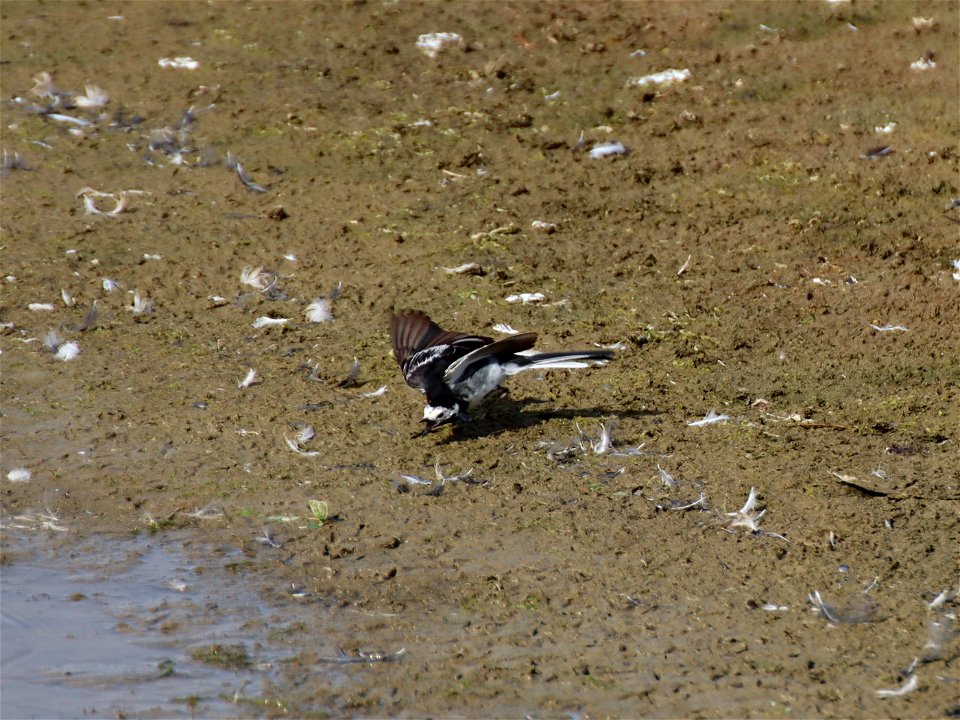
(506, 347)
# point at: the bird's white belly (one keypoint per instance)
(481, 384)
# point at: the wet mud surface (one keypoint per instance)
(755, 253)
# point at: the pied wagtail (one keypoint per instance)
(457, 371)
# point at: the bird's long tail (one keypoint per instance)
(568, 360)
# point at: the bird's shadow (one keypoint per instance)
(510, 414)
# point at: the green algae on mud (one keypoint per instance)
(390, 166)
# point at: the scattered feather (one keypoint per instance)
(620, 346)
(120, 199)
(40, 521)
(630, 452)
(700, 502)
(431, 44)
(863, 611)
(364, 657)
(69, 119)
(526, 298)
(11, 161)
(470, 268)
(547, 227)
(415, 480)
(141, 305)
(747, 516)
(94, 97)
(44, 89)
(558, 451)
(174, 140)
(604, 442)
(666, 478)
(205, 513)
(295, 445)
(878, 152)
(889, 328)
(67, 298)
(109, 285)
(52, 340)
(67, 351)
(607, 149)
(909, 686)
(258, 278)
(314, 375)
(264, 321)
(505, 329)
(182, 62)
(685, 266)
(320, 310)
(709, 419)
(234, 164)
(437, 490)
(382, 390)
(885, 129)
(442, 477)
(19, 475)
(306, 434)
(303, 437)
(149, 256)
(89, 320)
(496, 232)
(941, 631)
(923, 64)
(351, 379)
(177, 585)
(40, 307)
(665, 77)
(266, 539)
(248, 379)
(956, 270)
(941, 599)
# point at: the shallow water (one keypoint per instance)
(108, 629)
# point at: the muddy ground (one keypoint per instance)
(556, 583)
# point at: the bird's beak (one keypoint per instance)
(428, 425)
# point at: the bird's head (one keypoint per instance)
(437, 415)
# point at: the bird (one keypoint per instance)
(458, 371)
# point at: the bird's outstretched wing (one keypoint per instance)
(412, 331)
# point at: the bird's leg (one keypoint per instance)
(496, 396)
(487, 405)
